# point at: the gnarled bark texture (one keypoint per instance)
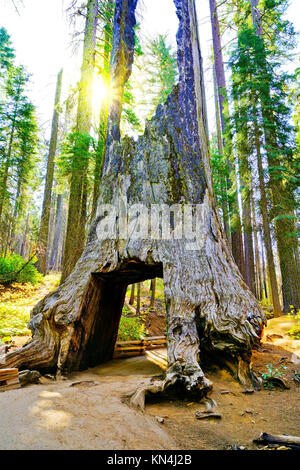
(210, 311)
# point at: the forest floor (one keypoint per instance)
(85, 410)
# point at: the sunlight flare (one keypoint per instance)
(101, 93)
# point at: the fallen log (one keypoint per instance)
(207, 415)
(287, 440)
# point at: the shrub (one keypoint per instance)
(131, 328)
(11, 270)
(294, 332)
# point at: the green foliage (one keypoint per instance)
(18, 148)
(75, 153)
(11, 270)
(162, 68)
(131, 328)
(294, 332)
(17, 301)
(272, 372)
(263, 112)
(7, 53)
(13, 321)
(153, 78)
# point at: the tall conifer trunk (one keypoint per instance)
(282, 196)
(45, 219)
(236, 229)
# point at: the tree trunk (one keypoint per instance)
(282, 197)
(23, 246)
(211, 313)
(266, 227)
(225, 206)
(53, 264)
(264, 269)
(131, 301)
(138, 299)
(76, 226)
(8, 157)
(153, 288)
(236, 228)
(44, 227)
(259, 294)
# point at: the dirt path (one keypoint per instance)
(57, 415)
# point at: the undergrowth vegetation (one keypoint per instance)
(13, 268)
(16, 302)
(294, 332)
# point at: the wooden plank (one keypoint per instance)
(8, 372)
(9, 379)
(128, 342)
(154, 337)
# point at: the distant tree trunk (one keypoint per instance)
(282, 197)
(264, 276)
(138, 299)
(131, 301)
(23, 246)
(258, 276)
(153, 289)
(13, 219)
(248, 244)
(8, 160)
(76, 223)
(244, 172)
(266, 226)
(54, 258)
(236, 229)
(225, 207)
(44, 226)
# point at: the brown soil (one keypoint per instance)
(91, 415)
(155, 322)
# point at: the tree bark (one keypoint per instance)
(211, 313)
(44, 226)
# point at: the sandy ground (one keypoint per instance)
(91, 415)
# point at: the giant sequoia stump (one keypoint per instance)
(211, 313)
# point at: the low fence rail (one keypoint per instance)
(138, 348)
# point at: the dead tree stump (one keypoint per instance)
(211, 313)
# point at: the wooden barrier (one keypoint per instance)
(138, 348)
(9, 379)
